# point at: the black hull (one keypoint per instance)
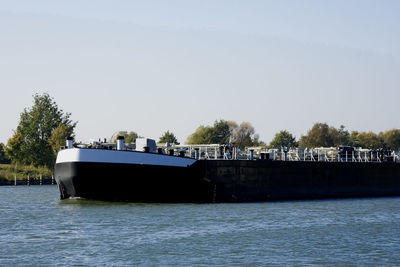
(132, 182)
(227, 181)
(245, 181)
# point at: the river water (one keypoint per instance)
(36, 228)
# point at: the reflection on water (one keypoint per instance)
(39, 229)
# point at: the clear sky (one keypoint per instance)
(152, 66)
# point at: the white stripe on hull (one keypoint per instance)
(125, 157)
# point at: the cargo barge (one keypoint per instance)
(212, 174)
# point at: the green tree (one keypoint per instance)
(342, 136)
(14, 148)
(219, 133)
(168, 137)
(59, 135)
(130, 137)
(391, 139)
(366, 140)
(3, 157)
(283, 139)
(202, 135)
(30, 142)
(223, 132)
(320, 135)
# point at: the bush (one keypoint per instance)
(8, 171)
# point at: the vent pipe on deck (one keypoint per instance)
(120, 143)
(69, 142)
(285, 151)
(251, 154)
(234, 151)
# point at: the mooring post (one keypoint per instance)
(28, 180)
(40, 181)
(15, 179)
(52, 179)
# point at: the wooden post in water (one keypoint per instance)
(52, 179)
(40, 181)
(15, 179)
(28, 180)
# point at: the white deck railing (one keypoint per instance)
(216, 151)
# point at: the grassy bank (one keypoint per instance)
(8, 172)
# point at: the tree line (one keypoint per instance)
(323, 135)
(320, 135)
(222, 132)
(43, 129)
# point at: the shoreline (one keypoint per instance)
(11, 174)
(28, 182)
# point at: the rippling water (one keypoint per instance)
(36, 228)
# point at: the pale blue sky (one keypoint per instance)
(152, 66)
